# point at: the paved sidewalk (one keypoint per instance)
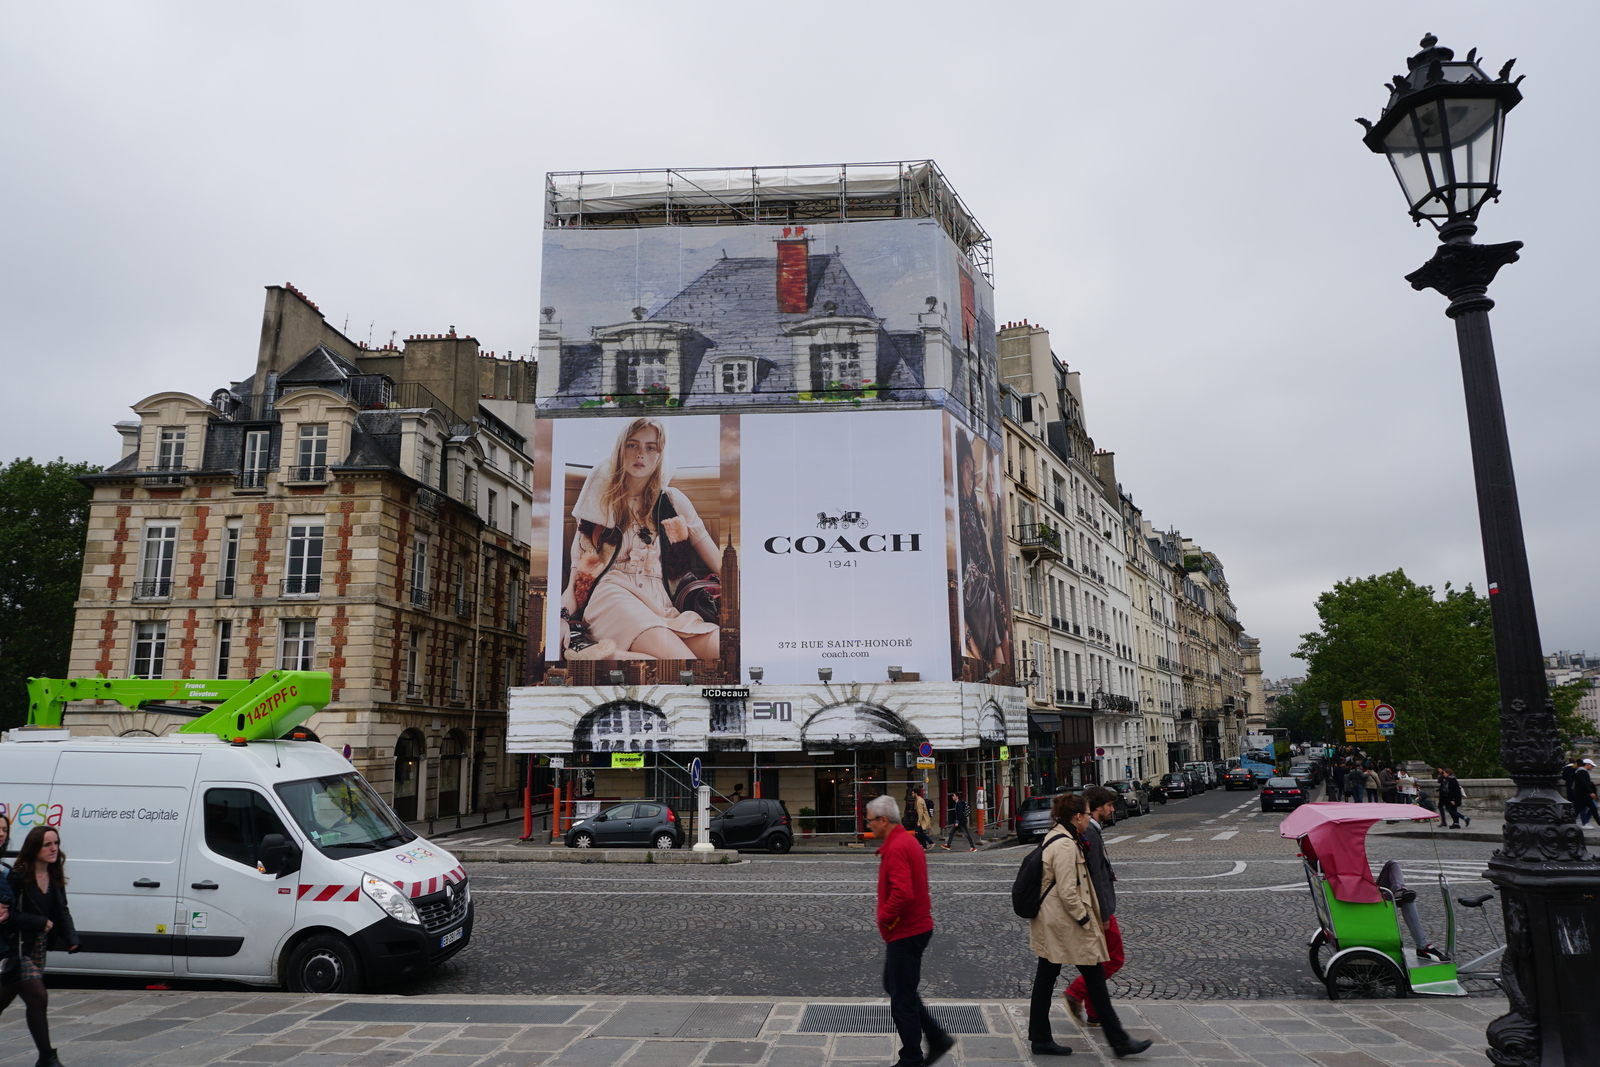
(183, 1029)
(1488, 829)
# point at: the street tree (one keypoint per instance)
(44, 514)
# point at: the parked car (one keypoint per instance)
(650, 823)
(1203, 772)
(755, 822)
(1177, 784)
(1136, 795)
(1197, 781)
(1239, 778)
(1283, 793)
(1033, 819)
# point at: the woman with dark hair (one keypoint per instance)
(39, 884)
(8, 936)
(1068, 929)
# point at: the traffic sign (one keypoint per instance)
(925, 749)
(1383, 713)
(1359, 722)
(694, 773)
(1386, 729)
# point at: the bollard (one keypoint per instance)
(458, 820)
(430, 826)
(485, 816)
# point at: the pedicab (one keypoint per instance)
(1357, 951)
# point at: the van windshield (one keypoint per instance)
(342, 815)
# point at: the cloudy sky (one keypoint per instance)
(1176, 191)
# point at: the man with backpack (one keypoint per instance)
(960, 811)
(1102, 804)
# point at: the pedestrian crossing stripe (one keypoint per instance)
(1224, 835)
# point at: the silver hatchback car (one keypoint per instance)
(1033, 819)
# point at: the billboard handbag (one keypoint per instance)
(581, 641)
(697, 589)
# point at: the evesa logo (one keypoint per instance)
(26, 815)
(271, 703)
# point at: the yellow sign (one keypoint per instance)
(1360, 722)
(924, 762)
(1005, 753)
(633, 761)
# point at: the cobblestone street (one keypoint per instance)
(1203, 918)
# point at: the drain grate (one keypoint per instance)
(875, 1019)
(412, 1012)
(726, 1020)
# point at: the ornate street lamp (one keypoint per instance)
(1441, 130)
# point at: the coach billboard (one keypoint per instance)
(789, 541)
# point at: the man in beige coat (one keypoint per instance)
(1068, 930)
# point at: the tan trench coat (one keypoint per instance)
(1054, 934)
(924, 817)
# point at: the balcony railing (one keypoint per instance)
(420, 598)
(251, 407)
(251, 480)
(428, 499)
(309, 474)
(163, 475)
(153, 589)
(302, 585)
(1039, 539)
(225, 588)
(463, 608)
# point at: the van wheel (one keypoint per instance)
(324, 964)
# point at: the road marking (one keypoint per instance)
(1252, 815)
(654, 893)
(1175, 840)
(1225, 835)
(1152, 837)
(1123, 837)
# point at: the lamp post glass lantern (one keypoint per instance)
(1442, 130)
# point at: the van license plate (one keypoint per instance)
(451, 938)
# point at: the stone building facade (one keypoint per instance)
(343, 509)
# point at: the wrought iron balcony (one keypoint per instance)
(463, 608)
(420, 598)
(302, 585)
(153, 589)
(256, 479)
(163, 475)
(1039, 540)
(308, 474)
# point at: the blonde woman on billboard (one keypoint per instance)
(644, 578)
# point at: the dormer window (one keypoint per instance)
(735, 376)
(170, 449)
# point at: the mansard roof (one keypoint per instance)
(321, 364)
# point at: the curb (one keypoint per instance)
(593, 855)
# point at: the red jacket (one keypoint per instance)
(904, 909)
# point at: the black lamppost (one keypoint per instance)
(1441, 130)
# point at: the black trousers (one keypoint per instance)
(902, 973)
(960, 827)
(1044, 989)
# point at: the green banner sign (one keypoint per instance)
(633, 761)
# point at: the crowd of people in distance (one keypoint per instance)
(1357, 780)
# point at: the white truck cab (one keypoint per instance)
(270, 862)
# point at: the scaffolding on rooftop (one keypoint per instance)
(748, 196)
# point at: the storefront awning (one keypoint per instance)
(1045, 722)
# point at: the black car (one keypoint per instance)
(755, 822)
(1176, 785)
(650, 823)
(1238, 778)
(1135, 795)
(1283, 793)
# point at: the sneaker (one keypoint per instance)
(945, 847)
(974, 848)
(1430, 953)
(1469, 822)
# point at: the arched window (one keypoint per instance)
(623, 726)
(407, 769)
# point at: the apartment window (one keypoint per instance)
(516, 520)
(157, 558)
(170, 448)
(638, 371)
(419, 572)
(149, 649)
(425, 464)
(493, 509)
(228, 570)
(736, 376)
(835, 367)
(413, 661)
(224, 646)
(494, 456)
(257, 459)
(513, 600)
(461, 586)
(303, 567)
(311, 464)
(455, 669)
(299, 645)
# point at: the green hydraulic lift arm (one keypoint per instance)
(260, 709)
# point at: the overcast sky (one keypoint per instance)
(1176, 191)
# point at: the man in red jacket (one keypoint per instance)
(905, 919)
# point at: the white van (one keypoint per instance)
(271, 862)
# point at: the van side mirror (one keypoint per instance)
(279, 855)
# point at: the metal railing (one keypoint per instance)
(153, 589)
(163, 476)
(309, 474)
(420, 598)
(463, 608)
(302, 585)
(251, 480)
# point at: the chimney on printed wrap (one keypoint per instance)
(793, 256)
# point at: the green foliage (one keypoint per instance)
(44, 515)
(1387, 638)
(1569, 723)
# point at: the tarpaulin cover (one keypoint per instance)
(1338, 836)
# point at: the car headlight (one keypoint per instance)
(387, 896)
(466, 893)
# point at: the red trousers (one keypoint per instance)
(1079, 990)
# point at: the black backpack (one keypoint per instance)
(1026, 895)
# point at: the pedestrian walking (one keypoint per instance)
(1102, 804)
(39, 888)
(1583, 792)
(960, 811)
(1068, 930)
(1450, 797)
(1374, 784)
(1386, 784)
(924, 818)
(1405, 787)
(905, 922)
(1340, 780)
(1356, 779)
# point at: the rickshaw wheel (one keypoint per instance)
(1321, 952)
(1364, 974)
